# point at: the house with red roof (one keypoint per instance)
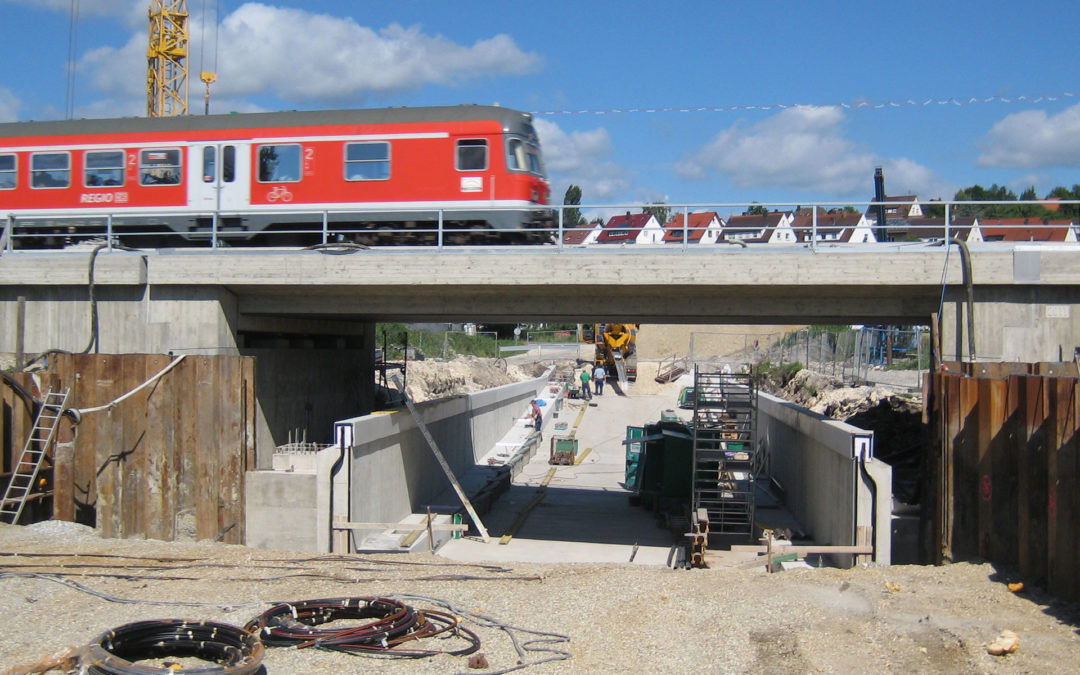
(962, 228)
(585, 235)
(631, 228)
(768, 228)
(1028, 229)
(902, 206)
(848, 228)
(700, 228)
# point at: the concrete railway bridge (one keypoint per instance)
(309, 317)
(305, 312)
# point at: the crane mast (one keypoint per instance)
(166, 59)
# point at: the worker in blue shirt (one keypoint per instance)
(598, 376)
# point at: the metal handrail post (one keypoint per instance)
(562, 211)
(6, 239)
(325, 233)
(813, 229)
(947, 218)
(214, 230)
(685, 225)
(440, 229)
(108, 232)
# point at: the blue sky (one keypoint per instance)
(557, 58)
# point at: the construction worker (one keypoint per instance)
(598, 376)
(585, 393)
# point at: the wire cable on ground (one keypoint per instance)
(115, 652)
(543, 642)
(389, 624)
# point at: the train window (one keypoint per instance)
(228, 163)
(522, 156)
(279, 163)
(209, 164)
(8, 164)
(159, 167)
(367, 161)
(472, 154)
(50, 170)
(103, 168)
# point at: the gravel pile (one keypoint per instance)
(627, 618)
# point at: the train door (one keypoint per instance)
(220, 176)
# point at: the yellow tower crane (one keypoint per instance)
(166, 59)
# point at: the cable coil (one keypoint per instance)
(390, 623)
(235, 650)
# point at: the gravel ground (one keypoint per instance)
(626, 618)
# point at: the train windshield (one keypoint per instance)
(524, 156)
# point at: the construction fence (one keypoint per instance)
(167, 462)
(1001, 477)
(851, 353)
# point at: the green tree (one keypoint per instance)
(756, 210)
(572, 217)
(658, 209)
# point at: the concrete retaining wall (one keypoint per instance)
(812, 458)
(389, 471)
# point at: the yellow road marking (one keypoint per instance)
(582, 456)
(537, 498)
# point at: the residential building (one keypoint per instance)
(703, 228)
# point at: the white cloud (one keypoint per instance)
(9, 106)
(1032, 139)
(804, 149)
(309, 58)
(581, 158)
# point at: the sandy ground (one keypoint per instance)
(616, 617)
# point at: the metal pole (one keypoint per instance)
(108, 233)
(947, 237)
(325, 233)
(813, 229)
(440, 232)
(442, 461)
(562, 210)
(213, 230)
(685, 225)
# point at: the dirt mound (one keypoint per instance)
(426, 380)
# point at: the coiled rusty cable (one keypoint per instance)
(114, 652)
(389, 624)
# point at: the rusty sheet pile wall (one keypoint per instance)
(1003, 472)
(167, 463)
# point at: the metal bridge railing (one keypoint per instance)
(809, 226)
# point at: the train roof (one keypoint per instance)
(508, 117)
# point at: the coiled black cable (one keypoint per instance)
(235, 650)
(389, 624)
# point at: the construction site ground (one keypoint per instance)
(565, 574)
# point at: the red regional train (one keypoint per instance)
(246, 176)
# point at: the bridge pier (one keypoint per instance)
(309, 372)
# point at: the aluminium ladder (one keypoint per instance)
(37, 445)
(724, 429)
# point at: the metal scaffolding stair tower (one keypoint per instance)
(724, 430)
(37, 445)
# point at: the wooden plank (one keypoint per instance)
(186, 481)
(1005, 508)
(1061, 484)
(206, 516)
(131, 415)
(156, 524)
(110, 446)
(803, 550)
(442, 462)
(967, 483)
(248, 410)
(232, 448)
(439, 527)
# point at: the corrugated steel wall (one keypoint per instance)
(167, 463)
(1002, 476)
